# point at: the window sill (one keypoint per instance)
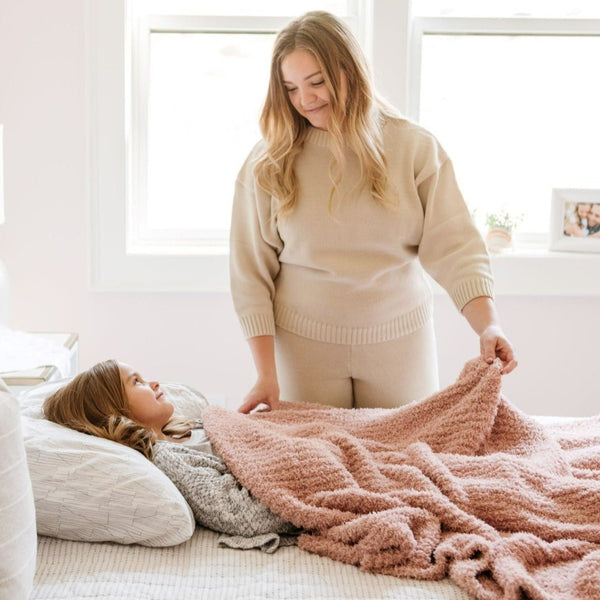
(547, 273)
(543, 272)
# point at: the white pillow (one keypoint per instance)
(91, 489)
(18, 540)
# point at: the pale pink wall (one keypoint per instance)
(191, 337)
(44, 243)
(555, 340)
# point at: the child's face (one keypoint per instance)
(147, 404)
(583, 209)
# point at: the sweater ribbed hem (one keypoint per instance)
(473, 288)
(291, 321)
(254, 325)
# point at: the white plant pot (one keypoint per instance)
(499, 239)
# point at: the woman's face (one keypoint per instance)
(147, 404)
(305, 85)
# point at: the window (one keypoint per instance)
(198, 83)
(204, 98)
(506, 85)
(513, 98)
(168, 128)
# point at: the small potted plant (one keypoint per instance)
(500, 228)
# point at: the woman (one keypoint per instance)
(334, 213)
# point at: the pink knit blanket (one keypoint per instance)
(462, 484)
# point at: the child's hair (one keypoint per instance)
(356, 122)
(94, 402)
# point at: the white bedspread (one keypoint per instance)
(199, 569)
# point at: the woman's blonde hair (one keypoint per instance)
(357, 122)
(94, 402)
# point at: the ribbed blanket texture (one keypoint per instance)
(461, 484)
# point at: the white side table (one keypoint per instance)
(19, 381)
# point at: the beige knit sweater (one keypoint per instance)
(355, 275)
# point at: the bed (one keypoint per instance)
(160, 566)
(200, 569)
(112, 525)
(195, 568)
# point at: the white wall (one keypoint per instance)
(192, 338)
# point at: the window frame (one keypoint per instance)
(387, 29)
(532, 268)
(112, 266)
(124, 254)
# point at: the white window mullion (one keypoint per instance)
(214, 24)
(389, 49)
(508, 25)
(137, 147)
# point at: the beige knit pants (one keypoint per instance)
(386, 375)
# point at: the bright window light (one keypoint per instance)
(206, 91)
(200, 72)
(518, 114)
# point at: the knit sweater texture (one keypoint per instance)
(461, 484)
(219, 502)
(354, 274)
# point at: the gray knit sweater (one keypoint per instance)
(219, 502)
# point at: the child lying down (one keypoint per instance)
(112, 401)
(461, 484)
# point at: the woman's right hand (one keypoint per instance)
(265, 391)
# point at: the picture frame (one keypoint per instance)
(575, 220)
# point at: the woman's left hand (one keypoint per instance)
(493, 343)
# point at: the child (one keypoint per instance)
(113, 401)
(577, 220)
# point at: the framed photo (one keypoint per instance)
(575, 220)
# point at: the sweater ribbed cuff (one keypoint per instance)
(253, 325)
(473, 288)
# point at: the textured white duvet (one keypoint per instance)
(199, 569)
